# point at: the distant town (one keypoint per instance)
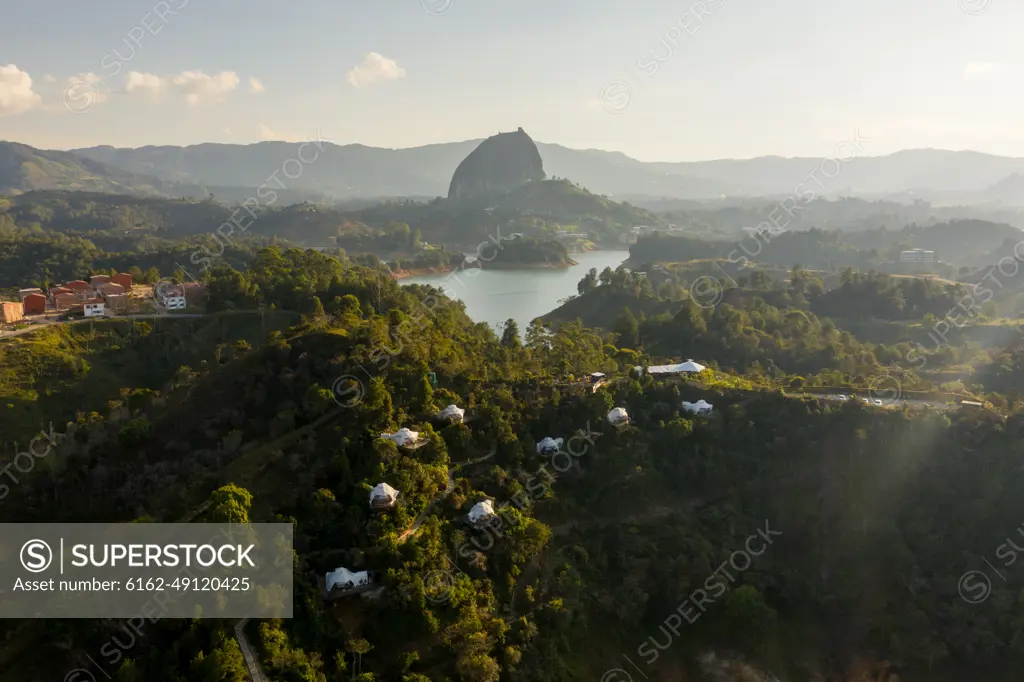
(101, 296)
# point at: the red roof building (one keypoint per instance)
(67, 301)
(35, 304)
(124, 279)
(77, 285)
(110, 289)
(117, 303)
(97, 280)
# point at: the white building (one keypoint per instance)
(383, 496)
(170, 295)
(700, 407)
(22, 293)
(93, 309)
(618, 416)
(917, 256)
(403, 438)
(549, 445)
(173, 302)
(481, 513)
(688, 367)
(344, 580)
(452, 413)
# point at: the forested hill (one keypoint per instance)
(541, 209)
(24, 168)
(960, 242)
(522, 252)
(954, 177)
(854, 525)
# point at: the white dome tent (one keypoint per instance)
(383, 496)
(403, 438)
(699, 407)
(345, 580)
(618, 416)
(481, 513)
(688, 367)
(549, 445)
(452, 413)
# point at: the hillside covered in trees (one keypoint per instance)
(856, 523)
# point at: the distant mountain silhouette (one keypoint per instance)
(356, 171)
(24, 169)
(1008, 192)
(500, 164)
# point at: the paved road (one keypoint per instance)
(886, 404)
(31, 328)
(47, 323)
(255, 671)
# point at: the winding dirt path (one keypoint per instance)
(415, 527)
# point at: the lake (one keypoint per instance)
(493, 296)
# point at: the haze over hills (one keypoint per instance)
(344, 172)
(24, 168)
(357, 170)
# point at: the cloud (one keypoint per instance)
(196, 86)
(373, 68)
(255, 86)
(199, 87)
(145, 84)
(81, 88)
(980, 68)
(16, 94)
(49, 78)
(269, 135)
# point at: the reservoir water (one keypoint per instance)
(494, 296)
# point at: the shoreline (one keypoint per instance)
(417, 272)
(528, 266)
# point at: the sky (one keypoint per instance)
(658, 80)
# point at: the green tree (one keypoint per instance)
(230, 504)
(134, 433)
(510, 335)
(588, 283)
(627, 329)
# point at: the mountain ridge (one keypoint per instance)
(358, 171)
(427, 169)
